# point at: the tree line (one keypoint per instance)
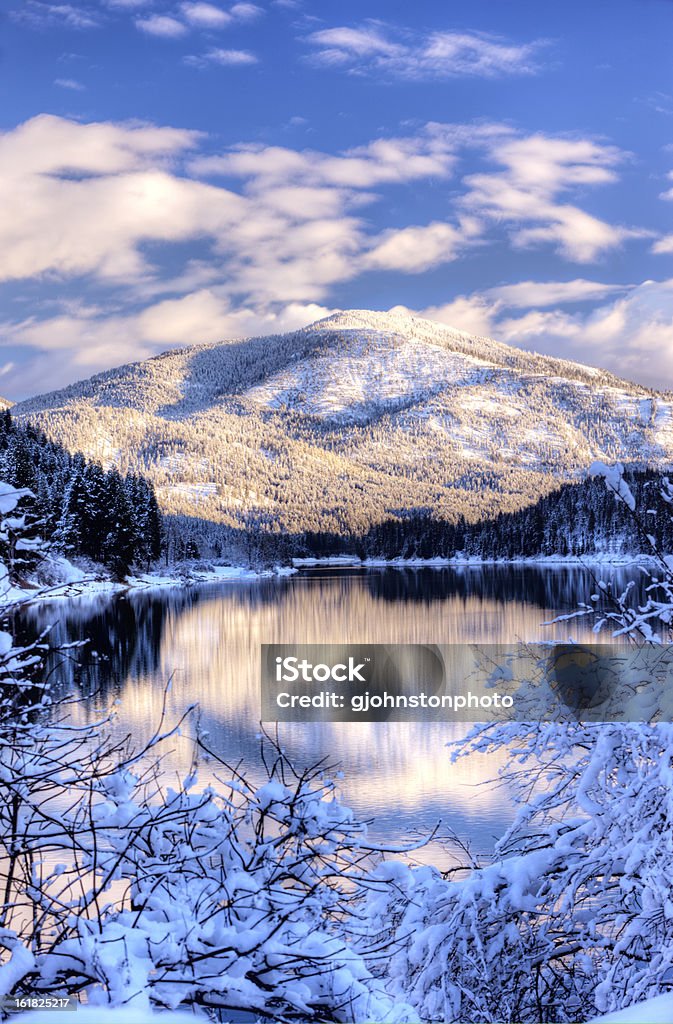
(579, 519)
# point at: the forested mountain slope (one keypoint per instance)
(578, 519)
(354, 419)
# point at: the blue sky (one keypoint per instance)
(182, 172)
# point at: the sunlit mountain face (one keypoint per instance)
(356, 418)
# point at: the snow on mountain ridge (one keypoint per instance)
(217, 368)
(378, 320)
(396, 321)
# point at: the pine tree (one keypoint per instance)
(70, 533)
(119, 545)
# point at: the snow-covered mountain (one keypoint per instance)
(352, 419)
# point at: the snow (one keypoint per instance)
(373, 369)
(309, 563)
(113, 1015)
(195, 493)
(489, 404)
(19, 964)
(614, 478)
(352, 561)
(10, 496)
(61, 570)
(653, 1011)
(173, 463)
(70, 581)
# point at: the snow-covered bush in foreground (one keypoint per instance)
(132, 893)
(654, 1011)
(575, 915)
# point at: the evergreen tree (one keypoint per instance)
(120, 543)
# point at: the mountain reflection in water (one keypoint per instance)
(207, 640)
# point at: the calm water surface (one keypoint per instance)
(207, 639)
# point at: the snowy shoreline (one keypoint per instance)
(353, 561)
(77, 582)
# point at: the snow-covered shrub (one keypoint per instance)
(131, 892)
(574, 917)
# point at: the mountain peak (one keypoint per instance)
(399, 325)
(396, 320)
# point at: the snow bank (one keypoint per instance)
(68, 580)
(112, 1015)
(310, 563)
(352, 561)
(653, 1011)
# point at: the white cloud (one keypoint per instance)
(548, 164)
(525, 195)
(205, 316)
(374, 48)
(383, 162)
(453, 53)
(576, 235)
(415, 249)
(162, 25)
(42, 15)
(170, 23)
(663, 245)
(86, 198)
(224, 58)
(69, 83)
(473, 314)
(246, 11)
(533, 329)
(550, 293)
(80, 342)
(103, 203)
(196, 275)
(199, 317)
(305, 203)
(48, 146)
(484, 313)
(339, 45)
(204, 15)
